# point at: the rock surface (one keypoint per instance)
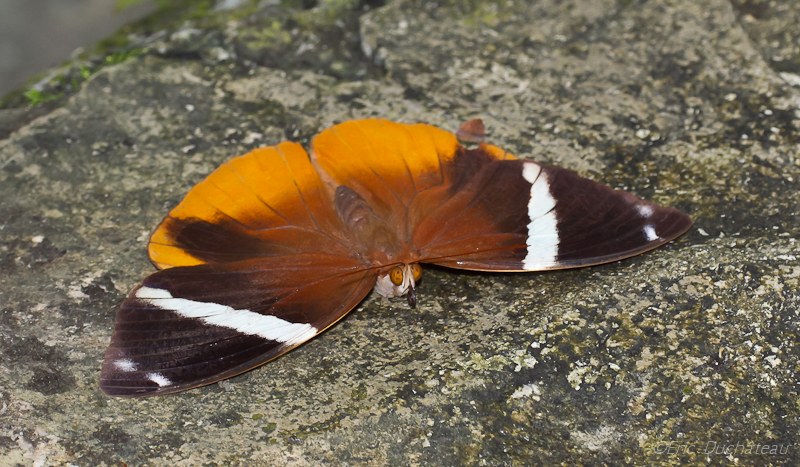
(684, 355)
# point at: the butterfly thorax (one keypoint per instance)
(372, 238)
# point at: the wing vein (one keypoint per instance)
(371, 170)
(256, 194)
(452, 218)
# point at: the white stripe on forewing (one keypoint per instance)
(244, 321)
(542, 230)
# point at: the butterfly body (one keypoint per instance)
(373, 239)
(277, 245)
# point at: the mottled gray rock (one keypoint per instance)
(654, 360)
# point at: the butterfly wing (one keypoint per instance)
(270, 202)
(484, 209)
(522, 216)
(388, 164)
(189, 326)
(255, 262)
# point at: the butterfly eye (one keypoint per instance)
(416, 271)
(396, 275)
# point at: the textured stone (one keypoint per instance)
(640, 362)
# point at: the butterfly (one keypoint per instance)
(277, 245)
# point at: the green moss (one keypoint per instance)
(37, 97)
(125, 4)
(359, 393)
(298, 35)
(272, 35)
(269, 427)
(481, 12)
(121, 57)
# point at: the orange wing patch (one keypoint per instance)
(275, 195)
(387, 163)
(272, 194)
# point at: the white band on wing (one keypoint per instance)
(542, 230)
(244, 321)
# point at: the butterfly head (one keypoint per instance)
(400, 280)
